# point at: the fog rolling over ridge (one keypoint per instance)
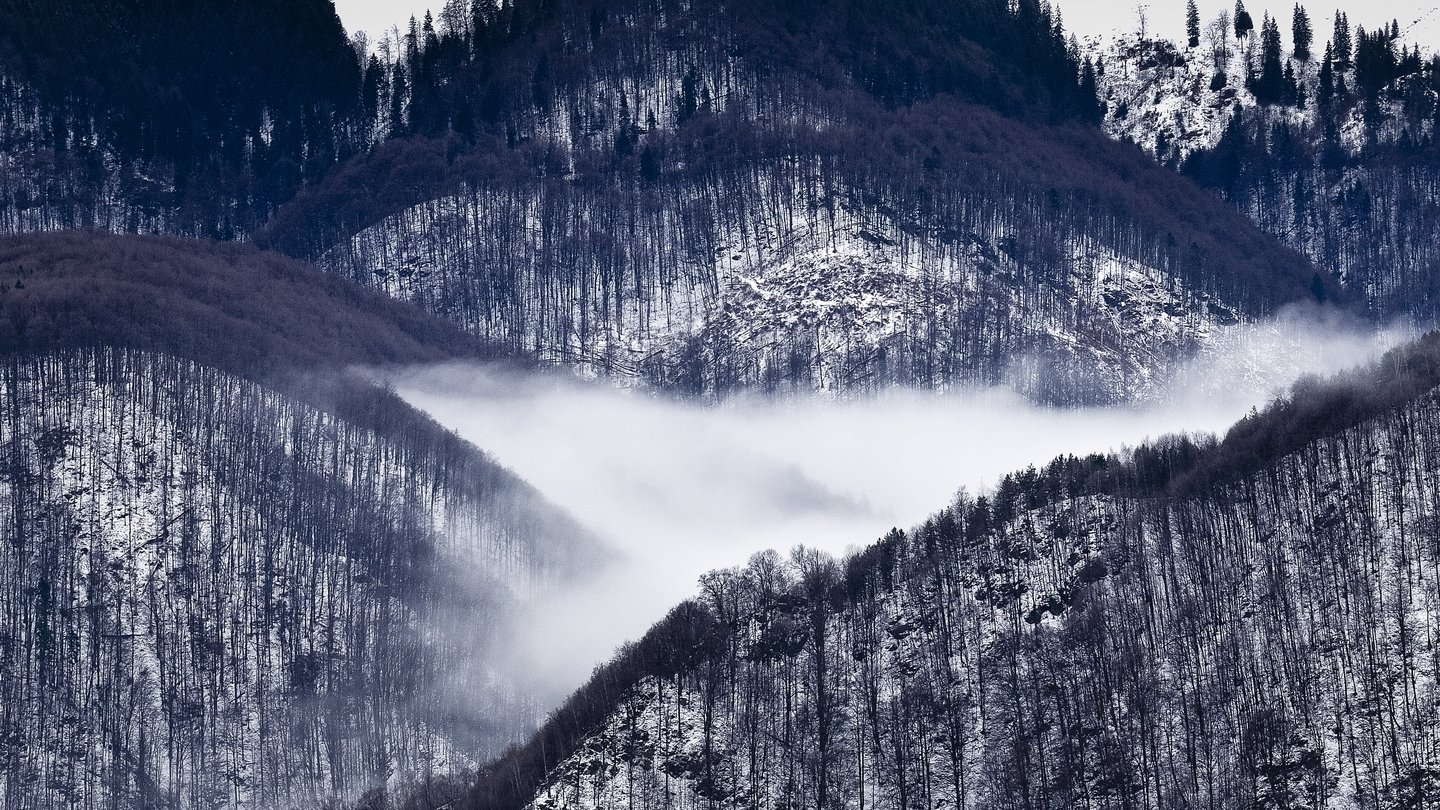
(678, 489)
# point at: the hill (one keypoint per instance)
(1105, 632)
(711, 199)
(1332, 151)
(191, 118)
(236, 574)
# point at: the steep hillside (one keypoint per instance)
(1333, 153)
(716, 196)
(1241, 623)
(235, 575)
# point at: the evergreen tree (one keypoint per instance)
(1269, 86)
(1243, 23)
(1192, 24)
(1326, 91)
(1342, 42)
(1375, 62)
(1090, 91)
(1301, 32)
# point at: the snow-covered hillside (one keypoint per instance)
(789, 291)
(1343, 167)
(212, 596)
(1158, 94)
(1245, 631)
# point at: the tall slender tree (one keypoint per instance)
(1269, 85)
(1192, 24)
(1302, 33)
(1342, 42)
(1243, 23)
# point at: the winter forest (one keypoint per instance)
(701, 404)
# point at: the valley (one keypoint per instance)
(670, 404)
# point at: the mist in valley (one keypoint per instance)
(676, 488)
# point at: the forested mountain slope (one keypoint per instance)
(194, 117)
(234, 575)
(232, 306)
(1331, 147)
(1234, 624)
(824, 195)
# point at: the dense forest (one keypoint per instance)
(193, 118)
(673, 196)
(1245, 622)
(1330, 147)
(706, 197)
(216, 597)
(235, 574)
(233, 307)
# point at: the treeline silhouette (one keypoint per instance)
(1232, 623)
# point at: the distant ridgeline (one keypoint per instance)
(1233, 624)
(232, 575)
(1332, 148)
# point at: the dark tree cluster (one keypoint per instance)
(202, 118)
(194, 118)
(541, 79)
(483, 66)
(254, 314)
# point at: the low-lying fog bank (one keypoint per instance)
(679, 489)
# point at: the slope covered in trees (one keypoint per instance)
(177, 117)
(715, 196)
(1238, 623)
(234, 574)
(1333, 152)
(233, 307)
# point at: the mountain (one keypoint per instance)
(712, 198)
(235, 574)
(706, 198)
(1243, 622)
(1333, 152)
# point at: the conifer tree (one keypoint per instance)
(1326, 91)
(1269, 86)
(1243, 23)
(1192, 24)
(1301, 32)
(1342, 42)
